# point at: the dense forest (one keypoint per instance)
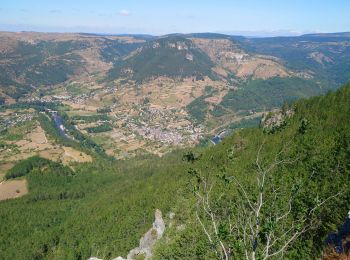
(258, 194)
(270, 93)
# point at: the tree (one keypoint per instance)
(258, 216)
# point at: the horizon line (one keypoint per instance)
(248, 34)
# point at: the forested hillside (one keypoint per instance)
(30, 61)
(170, 56)
(301, 169)
(102, 208)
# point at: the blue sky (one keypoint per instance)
(247, 17)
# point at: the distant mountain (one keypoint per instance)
(263, 69)
(171, 56)
(339, 34)
(326, 57)
(32, 59)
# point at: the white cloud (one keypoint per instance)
(124, 12)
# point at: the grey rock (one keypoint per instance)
(150, 238)
(147, 241)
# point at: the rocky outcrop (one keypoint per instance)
(274, 121)
(147, 241)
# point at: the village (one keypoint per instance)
(166, 126)
(135, 126)
(8, 120)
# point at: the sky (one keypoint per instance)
(157, 17)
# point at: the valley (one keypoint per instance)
(155, 107)
(98, 132)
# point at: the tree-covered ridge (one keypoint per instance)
(170, 56)
(271, 93)
(307, 166)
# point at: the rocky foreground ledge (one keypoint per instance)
(147, 241)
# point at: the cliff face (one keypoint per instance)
(147, 241)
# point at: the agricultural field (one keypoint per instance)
(28, 139)
(13, 189)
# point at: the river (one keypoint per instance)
(59, 124)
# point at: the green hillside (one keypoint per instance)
(310, 160)
(45, 62)
(113, 50)
(171, 56)
(50, 62)
(102, 208)
(270, 93)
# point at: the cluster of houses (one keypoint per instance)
(14, 119)
(157, 134)
(161, 125)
